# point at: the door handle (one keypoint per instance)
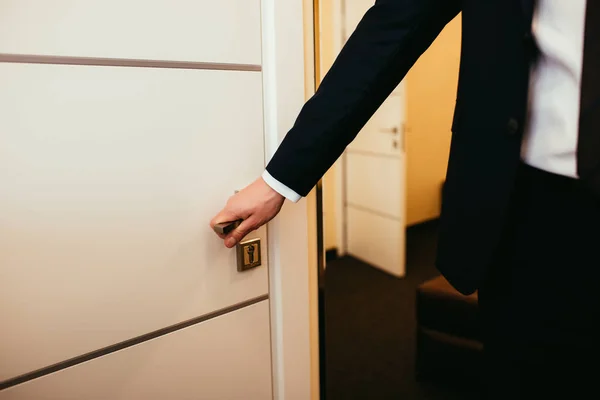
(248, 252)
(393, 130)
(224, 228)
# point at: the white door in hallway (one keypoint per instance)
(117, 146)
(374, 183)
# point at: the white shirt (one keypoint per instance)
(550, 140)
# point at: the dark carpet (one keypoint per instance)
(370, 327)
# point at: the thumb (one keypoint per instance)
(238, 234)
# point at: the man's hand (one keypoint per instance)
(256, 205)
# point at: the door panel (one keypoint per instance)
(383, 133)
(354, 10)
(369, 185)
(226, 31)
(376, 240)
(224, 358)
(108, 178)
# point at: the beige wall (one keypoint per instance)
(431, 94)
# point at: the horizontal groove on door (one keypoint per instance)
(369, 210)
(371, 153)
(124, 62)
(127, 343)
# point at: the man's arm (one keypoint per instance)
(385, 45)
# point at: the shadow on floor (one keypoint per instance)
(370, 327)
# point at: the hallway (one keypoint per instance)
(371, 327)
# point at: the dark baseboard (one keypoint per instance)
(331, 254)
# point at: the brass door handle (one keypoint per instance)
(224, 228)
(393, 130)
(248, 252)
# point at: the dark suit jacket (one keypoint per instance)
(497, 49)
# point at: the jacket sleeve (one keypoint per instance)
(386, 43)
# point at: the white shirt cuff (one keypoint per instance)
(280, 188)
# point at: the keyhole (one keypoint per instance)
(250, 250)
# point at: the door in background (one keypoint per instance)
(374, 183)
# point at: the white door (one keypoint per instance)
(375, 176)
(117, 146)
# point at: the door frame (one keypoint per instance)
(287, 71)
(338, 7)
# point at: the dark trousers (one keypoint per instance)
(540, 302)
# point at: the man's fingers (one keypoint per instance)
(222, 217)
(217, 219)
(239, 233)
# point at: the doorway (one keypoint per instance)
(371, 172)
(370, 307)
